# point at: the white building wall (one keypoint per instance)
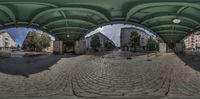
(1, 40)
(6, 38)
(102, 38)
(192, 41)
(126, 33)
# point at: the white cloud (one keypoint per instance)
(113, 32)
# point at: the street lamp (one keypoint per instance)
(177, 20)
(67, 35)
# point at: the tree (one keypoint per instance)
(18, 46)
(95, 42)
(134, 40)
(152, 44)
(36, 42)
(109, 45)
(31, 42)
(45, 40)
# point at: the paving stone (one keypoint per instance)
(93, 76)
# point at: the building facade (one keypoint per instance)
(192, 42)
(126, 34)
(103, 40)
(50, 48)
(6, 41)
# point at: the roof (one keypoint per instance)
(77, 17)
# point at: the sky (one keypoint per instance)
(113, 32)
(19, 34)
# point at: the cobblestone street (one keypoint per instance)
(91, 76)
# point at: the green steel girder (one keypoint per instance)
(171, 25)
(37, 3)
(70, 34)
(173, 34)
(181, 10)
(171, 37)
(172, 31)
(23, 2)
(141, 7)
(162, 17)
(65, 35)
(68, 38)
(21, 24)
(8, 12)
(77, 33)
(68, 8)
(67, 28)
(169, 21)
(68, 11)
(152, 15)
(62, 20)
(174, 39)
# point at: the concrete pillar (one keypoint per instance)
(80, 47)
(162, 47)
(179, 48)
(58, 47)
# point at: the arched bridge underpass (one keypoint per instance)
(77, 17)
(92, 76)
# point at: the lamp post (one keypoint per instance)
(177, 20)
(68, 36)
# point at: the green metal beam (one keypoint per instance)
(69, 33)
(141, 7)
(163, 17)
(67, 28)
(173, 38)
(181, 10)
(68, 38)
(72, 35)
(22, 2)
(8, 12)
(171, 25)
(68, 8)
(169, 36)
(63, 20)
(173, 34)
(172, 31)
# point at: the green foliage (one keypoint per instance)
(134, 40)
(45, 40)
(18, 47)
(35, 42)
(152, 44)
(109, 45)
(95, 42)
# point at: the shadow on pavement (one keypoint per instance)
(26, 66)
(191, 60)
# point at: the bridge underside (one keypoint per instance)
(77, 17)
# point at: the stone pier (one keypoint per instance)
(162, 47)
(80, 47)
(179, 48)
(58, 47)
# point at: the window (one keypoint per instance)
(6, 44)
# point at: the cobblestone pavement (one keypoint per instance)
(92, 76)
